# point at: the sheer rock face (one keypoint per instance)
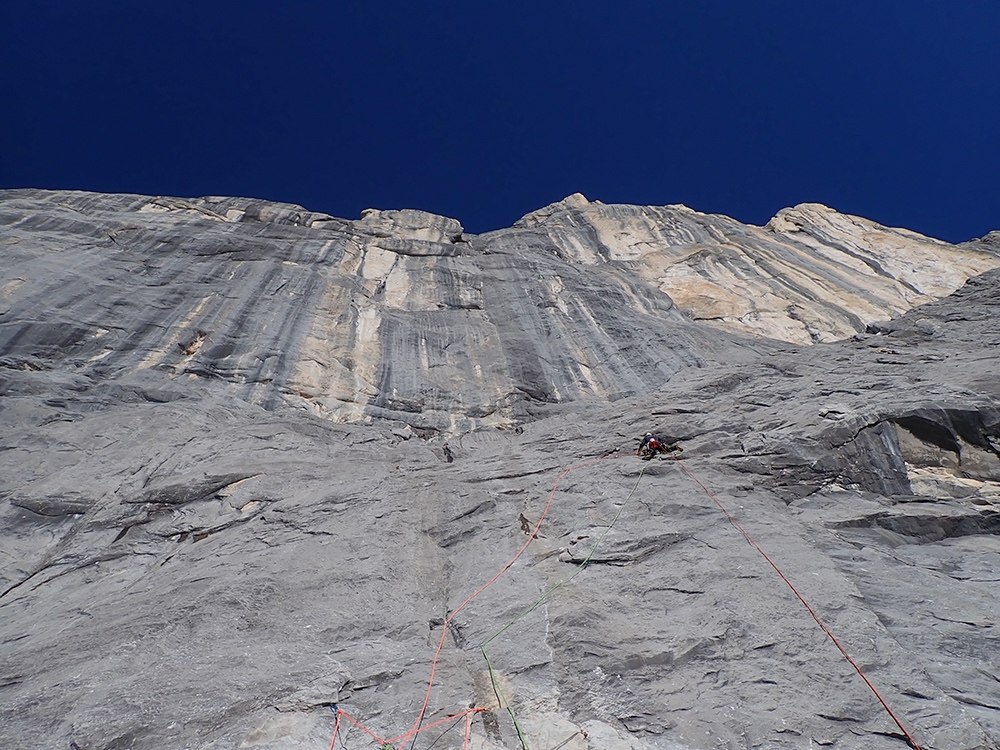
(402, 315)
(188, 559)
(398, 314)
(810, 275)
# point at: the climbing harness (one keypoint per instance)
(651, 445)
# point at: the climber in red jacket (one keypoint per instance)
(652, 444)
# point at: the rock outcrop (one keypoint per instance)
(402, 315)
(810, 275)
(255, 459)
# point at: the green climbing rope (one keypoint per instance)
(502, 699)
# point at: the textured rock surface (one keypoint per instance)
(397, 314)
(401, 315)
(189, 559)
(810, 275)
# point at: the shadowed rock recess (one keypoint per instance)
(255, 458)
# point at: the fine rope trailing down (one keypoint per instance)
(417, 727)
(909, 738)
(501, 700)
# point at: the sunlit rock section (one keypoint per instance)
(810, 275)
(447, 331)
(401, 314)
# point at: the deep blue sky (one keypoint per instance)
(485, 110)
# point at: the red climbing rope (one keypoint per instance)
(336, 730)
(358, 724)
(467, 714)
(417, 728)
(481, 589)
(468, 730)
(909, 738)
